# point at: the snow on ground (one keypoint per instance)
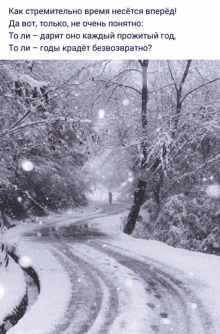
(54, 281)
(133, 312)
(200, 271)
(12, 288)
(54, 284)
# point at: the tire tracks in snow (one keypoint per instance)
(94, 298)
(174, 307)
(131, 315)
(114, 292)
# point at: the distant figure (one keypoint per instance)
(110, 198)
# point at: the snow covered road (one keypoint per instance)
(119, 284)
(115, 292)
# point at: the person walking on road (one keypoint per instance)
(110, 198)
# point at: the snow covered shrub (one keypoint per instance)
(169, 225)
(185, 222)
(61, 193)
(146, 221)
(13, 202)
(139, 230)
(149, 212)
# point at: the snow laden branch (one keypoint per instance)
(199, 168)
(108, 84)
(198, 87)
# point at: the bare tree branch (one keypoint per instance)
(202, 85)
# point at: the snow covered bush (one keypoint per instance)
(185, 222)
(48, 133)
(169, 225)
(149, 211)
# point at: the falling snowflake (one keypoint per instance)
(79, 280)
(101, 113)
(40, 222)
(25, 261)
(104, 245)
(123, 184)
(27, 165)
(165, 321)
(193, 306)
(125, 102)
(130, 179)
(2, 291)
(19, 199)
(213, 191)
(128, 283)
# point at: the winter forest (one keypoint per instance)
(146, 130)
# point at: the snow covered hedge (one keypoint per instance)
(184, 222)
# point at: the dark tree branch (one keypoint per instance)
(171, 74)
(192, 172)
(202, 85)
(119, 85)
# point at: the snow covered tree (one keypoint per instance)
(45, 123)
(171, 103)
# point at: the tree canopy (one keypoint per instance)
(80, 123)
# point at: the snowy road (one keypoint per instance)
(114, 290)
(116, 293)
(119, 284)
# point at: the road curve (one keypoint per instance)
(115, 291)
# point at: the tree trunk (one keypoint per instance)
(135, 209)
(157, 190)
(179, 98)
(140, 191)
(144, 112)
